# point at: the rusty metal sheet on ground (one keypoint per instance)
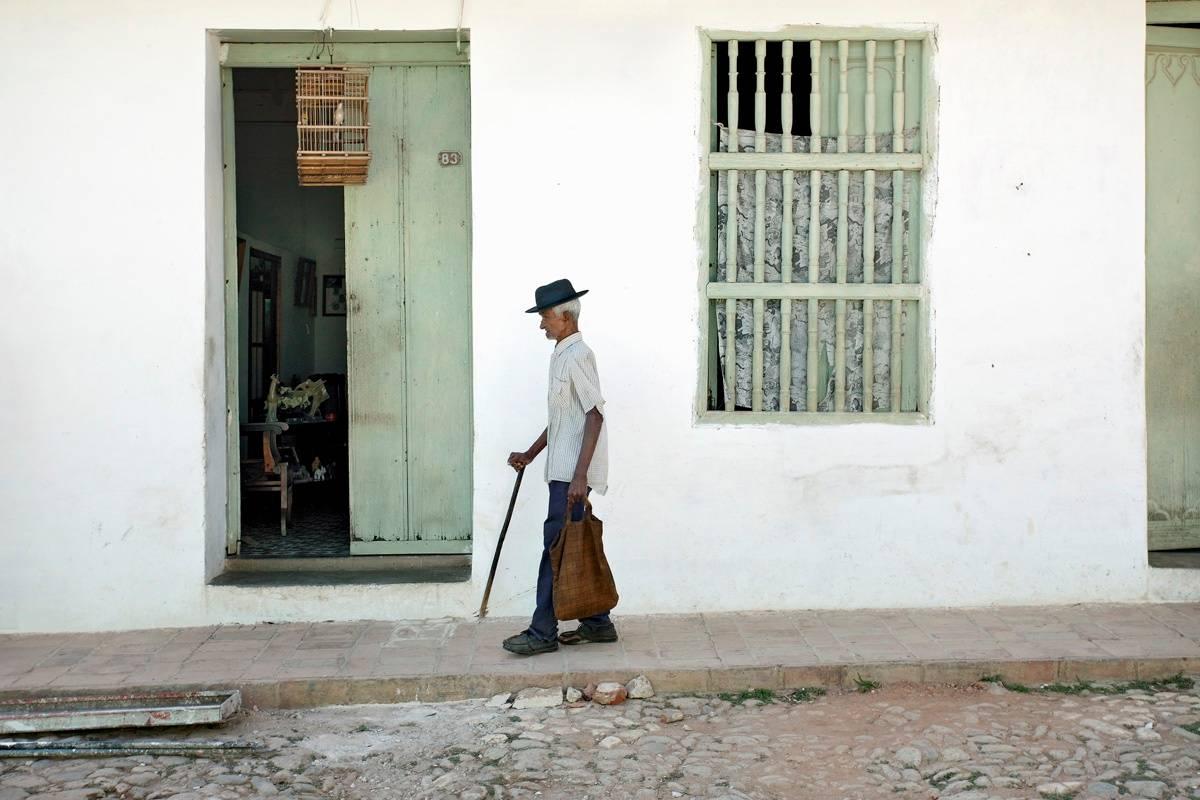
(136, 710)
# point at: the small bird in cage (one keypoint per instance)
(339, 118)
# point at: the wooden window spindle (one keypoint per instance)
(731, 234)
(814, 224)
(868, 402)
(843, 203)
(760, 209)
(786, 236)
(898, 100)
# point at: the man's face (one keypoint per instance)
(553, 324)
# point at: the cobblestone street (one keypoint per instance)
(974, 742)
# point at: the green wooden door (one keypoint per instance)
(409, 290)
(1173, 286)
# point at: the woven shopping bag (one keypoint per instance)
(583, 582)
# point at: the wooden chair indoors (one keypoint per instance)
(270, 473)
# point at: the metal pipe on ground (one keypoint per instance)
(42, 748)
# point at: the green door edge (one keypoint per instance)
(1166, 535)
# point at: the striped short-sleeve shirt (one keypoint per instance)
(574, 390)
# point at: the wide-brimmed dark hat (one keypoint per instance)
(553, 294)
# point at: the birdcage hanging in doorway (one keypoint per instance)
(332, 126)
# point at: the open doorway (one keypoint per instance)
(292, 358)
(354, 301)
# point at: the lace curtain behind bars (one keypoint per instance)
(774, 338)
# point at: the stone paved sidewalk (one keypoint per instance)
(296, 665)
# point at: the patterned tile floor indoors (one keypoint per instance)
(320, 528)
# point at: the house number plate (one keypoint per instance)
(449, 158)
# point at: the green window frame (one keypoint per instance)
(837, 332)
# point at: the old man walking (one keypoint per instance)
(576, 448)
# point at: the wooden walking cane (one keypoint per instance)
(487, 591)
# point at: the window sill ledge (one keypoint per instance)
(811, 418)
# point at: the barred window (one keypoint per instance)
(815, 301)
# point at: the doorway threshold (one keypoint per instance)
(1175, 559)
(350, 570)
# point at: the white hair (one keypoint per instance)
(570, 307)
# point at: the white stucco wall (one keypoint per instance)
(1028, 487)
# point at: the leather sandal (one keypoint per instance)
(584, 634)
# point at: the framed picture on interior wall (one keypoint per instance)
(333, 303)
(305, 291)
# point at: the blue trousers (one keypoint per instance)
(545, 625)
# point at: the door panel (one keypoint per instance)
(234, 252)
(437, 290)
(1173, 286)
(375, 328)
(408, 279)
